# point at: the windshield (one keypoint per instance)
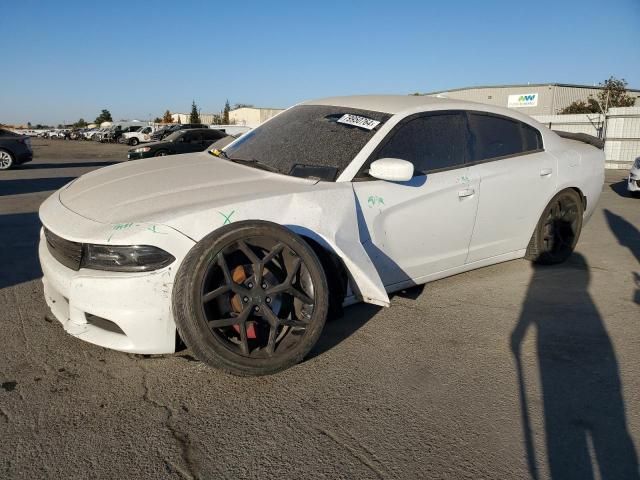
(309, 140)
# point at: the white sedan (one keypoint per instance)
(244, 253)
(633, 182)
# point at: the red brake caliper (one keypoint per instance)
(239, 276)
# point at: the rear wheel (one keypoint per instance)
(133, 141)
(558, 229)
(251, 298)
(161, 153)
(6, 160)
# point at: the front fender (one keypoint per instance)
(325, 212)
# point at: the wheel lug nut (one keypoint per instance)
(256, 308)
(245, 299)
(268, 300)
(264, 285)
(250, 285)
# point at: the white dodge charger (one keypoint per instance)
(243, 253)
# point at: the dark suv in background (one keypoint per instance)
(169, 129)
(180, 141)
(14, 149)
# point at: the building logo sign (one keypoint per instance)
(523, 100)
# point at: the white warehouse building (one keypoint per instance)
(532, 99)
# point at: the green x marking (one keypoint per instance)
(227, 218)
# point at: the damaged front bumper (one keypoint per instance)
(130, 312)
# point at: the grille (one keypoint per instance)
(67, 253)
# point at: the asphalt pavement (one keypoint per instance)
(507, 372)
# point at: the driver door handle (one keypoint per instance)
(467, 192)
(545, 172)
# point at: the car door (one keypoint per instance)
(517, 179)
(192, 142)
(420, 228)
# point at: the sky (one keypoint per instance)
(63, 60)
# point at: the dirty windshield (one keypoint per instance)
(316, 141)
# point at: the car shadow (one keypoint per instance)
(36, 166)
(19, 235)
(584, 412)
(621, 188)
(31, 185)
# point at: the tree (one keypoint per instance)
(105, 116)
(28, 124)
(158, 120)
(166, 118)
(80, 123)
(195, 115)
(242, 105)
(225, 113)
(613, 93)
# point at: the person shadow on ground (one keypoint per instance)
(628, 236)
(584, 412)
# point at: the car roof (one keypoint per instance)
(385, 103)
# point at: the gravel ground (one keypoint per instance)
(428, 388)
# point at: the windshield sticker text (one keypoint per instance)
(358, 121)
(374, 200)
(227, 218)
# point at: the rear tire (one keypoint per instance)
(133, 141)
(161, 153)
(251, 298)
(6, 159)
(557, 232)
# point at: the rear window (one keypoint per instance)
(309, 136)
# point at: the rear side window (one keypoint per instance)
(430, 142)
(532, 138)
(495, 136)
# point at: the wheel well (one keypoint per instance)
(335, 272)
(582, 197)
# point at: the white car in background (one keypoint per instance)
(633, 182)
(245, 251)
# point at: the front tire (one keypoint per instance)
(6, 160)
(251, 298)
(161, 153)
(133, 141)
(558, 229)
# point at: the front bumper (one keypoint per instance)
(128, 312)
(633, 183)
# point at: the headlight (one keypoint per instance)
(129, 258)
(142, 149)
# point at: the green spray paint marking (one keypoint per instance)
(227, 218)
(374, 200)
(119, 226)
(152, 228)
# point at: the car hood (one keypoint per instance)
(158, 189)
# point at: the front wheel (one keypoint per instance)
(6, 160)
(558, 229)
(161, 153)
(133, 141)
(251, 298)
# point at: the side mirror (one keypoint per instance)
(392, 170)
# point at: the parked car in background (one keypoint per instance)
(15, 149)
(169, 129)
(142, 135)
(633, 182)
(181, 141)
(246, 251)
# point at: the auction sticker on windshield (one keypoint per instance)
(358, 121)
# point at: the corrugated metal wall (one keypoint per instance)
(621, 131)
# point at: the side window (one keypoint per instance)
(430, 142)
(494, 136)
(195, 137)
